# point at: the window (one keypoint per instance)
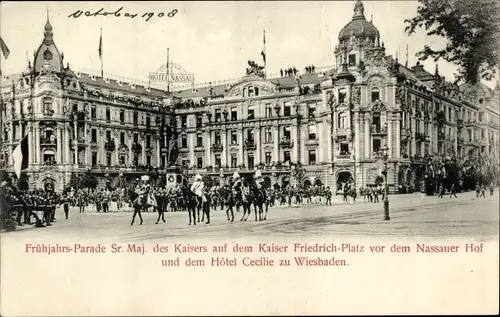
(342, 120)
(449, 114)
(217, 160)
(234, 160)
(287, 133)
(312, 110)
(286, 156)
(234, 114)
(269, 110)
(268, 135)
(47, 105)
(344, 148)
(312, 132)
(148, 121)
(376, 122)
(122, 138)
(234, 138)
(287, 110)
(108, 159)
(122, 160)
(375, 94)
(148, 160)
(136, 118)
(352, 59)
(250, 136)
(183, 121)
(148, 140)
(217, 137)
(108, 135)
(94, 158)
(75, 107)
(199, 140)
(481, 116)
(199, 162)
(250, 160)
(108, 114)
(376, 145)
(312, 157)
(94, 135)
(184, 141)
(342, 95)
(93, 113)
(199, 121)
(136, 138)
(218, 115)
(122, 115)
(251, 113)
(268, 157)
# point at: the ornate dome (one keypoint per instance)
(359, 27)
(47, 52)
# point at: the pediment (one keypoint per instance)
(246, 88)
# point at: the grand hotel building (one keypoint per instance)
(335, 123)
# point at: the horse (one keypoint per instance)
(260, 201)
(247, 201)
(203, 206)
(229, 200)
(162, 202)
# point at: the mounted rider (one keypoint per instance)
(237, 185)
(259, 181)
(198, 187)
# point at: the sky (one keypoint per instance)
(212, 40)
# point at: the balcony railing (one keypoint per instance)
(250, 145)
(217, 147)
(48, 141)
(378, 130)
(343, 156)
(286, 143)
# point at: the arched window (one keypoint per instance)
(342, 120)
(375, 94)
(244, 92)
(251, 91)
(47, 105)
(376, 124)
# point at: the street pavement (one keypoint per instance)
(411, 216)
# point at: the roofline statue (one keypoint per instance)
(255, 69)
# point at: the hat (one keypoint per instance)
(236, 175)
(198, 177)
(258, 174)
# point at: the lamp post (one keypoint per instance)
(385, 155)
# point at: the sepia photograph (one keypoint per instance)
(249, 157)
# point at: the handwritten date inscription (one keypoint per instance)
(120, 13)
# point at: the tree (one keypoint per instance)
(81, 181)
(471, 28)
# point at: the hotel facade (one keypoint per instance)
(313, 127)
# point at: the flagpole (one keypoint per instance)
(101, 56)
(168, 70)
(265, 56)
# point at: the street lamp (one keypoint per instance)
(385, 155)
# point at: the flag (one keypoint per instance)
(5, 49)
(100, 45)
(20, 156)
(263, 53)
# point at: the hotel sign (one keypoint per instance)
(175, 75)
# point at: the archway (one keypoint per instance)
(23, 185)
(318, 182)
(267, 182)
(307, 183)
(343, 177)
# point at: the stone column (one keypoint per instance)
(357, 151)
(117, 145)
(66, 144)
(241, 156)
(75, 135)
(367, 135)
(225, 148)
(320, 135)
(276, 140)
(398, 136)
(158, 158)
(413, 149)
(37, 142)
(258, 143)
(207, 145)
(142, 139)
(293, 135)
(59, 151)
(192, 144)
(102, 150)
(389, 135)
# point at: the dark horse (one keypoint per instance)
(230, 200)
(252, 195)
(194, 205)
(137, 203)
(162, 204)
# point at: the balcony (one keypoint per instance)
(110, 145)
(136, 148)
(405, 133)
(48, 141)
(48, 113)
(343, 156)
(460, 123)
(286, 143)
(80, 141)
(441, 136)
(460, 141)
(249, 145)
(77, 115)
(422, 137)
(217, 147)
(472, 143)
(378, 130)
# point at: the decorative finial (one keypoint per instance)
(436, 73)
(359, 10)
